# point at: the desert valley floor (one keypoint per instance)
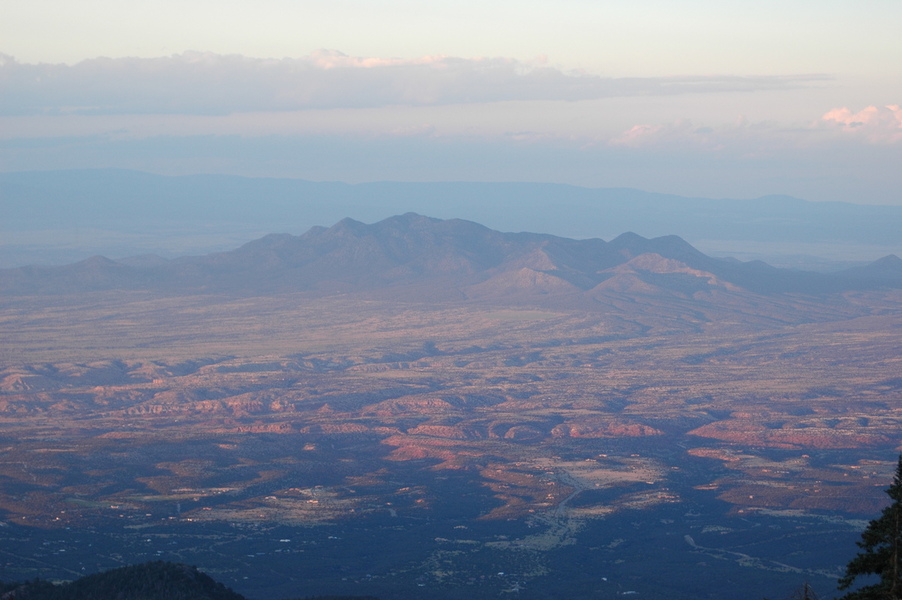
(666, 441)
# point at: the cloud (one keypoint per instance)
(206, 83)
(687, 134)
(875, 124)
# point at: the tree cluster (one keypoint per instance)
(880, 559)
(149, 581)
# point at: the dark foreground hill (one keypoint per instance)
(150, 581)
(412, 257)
(157, 580)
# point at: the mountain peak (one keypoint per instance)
(883, 271)
(95, 262)
(627, 239)
(348, 225)
(890, 260)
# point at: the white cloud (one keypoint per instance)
(206, 83)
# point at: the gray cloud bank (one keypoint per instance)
(206, 83)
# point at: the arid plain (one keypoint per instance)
(526, 411)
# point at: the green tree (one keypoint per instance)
(881, 551)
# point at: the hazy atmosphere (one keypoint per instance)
(408, 300)
(700, 98)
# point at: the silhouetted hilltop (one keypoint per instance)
(150, 581)
(417, 258)
(157, 580)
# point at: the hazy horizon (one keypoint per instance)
(695, 99)
(59, 217)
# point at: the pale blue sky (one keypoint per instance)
(769, 88)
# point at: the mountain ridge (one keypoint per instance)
(54, 217)
(424, 255)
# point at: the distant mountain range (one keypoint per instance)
(412, 257)
(54, 217)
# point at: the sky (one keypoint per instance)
(719, 99)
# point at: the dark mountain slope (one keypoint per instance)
(149, 581)
(885, 271)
